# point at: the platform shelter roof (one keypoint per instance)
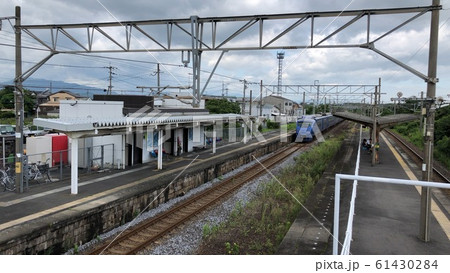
(382, 121)
(104, 126)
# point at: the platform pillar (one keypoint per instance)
(160, 149)
(245, 132)
(123, 151)
(232, 130)
(251, 129)
(74, 166)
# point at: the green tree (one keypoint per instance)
(7, 100)
(223, 106)
(442, 127)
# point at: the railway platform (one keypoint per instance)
(44, 215)
(387, 216)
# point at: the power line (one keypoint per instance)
(58, 65)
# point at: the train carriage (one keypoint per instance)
(309, 126)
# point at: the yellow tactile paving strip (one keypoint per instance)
(437, 212)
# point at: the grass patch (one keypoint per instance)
(412, 133)
(260, 225)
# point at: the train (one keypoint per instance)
(309, 127)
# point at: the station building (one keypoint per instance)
(137, 135)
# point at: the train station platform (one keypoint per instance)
(40, 220)
(387, 216)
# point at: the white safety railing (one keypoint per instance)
(349, 233)
(337, 189)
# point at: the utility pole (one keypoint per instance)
(243, 99)
(374, 128)
(316, 82)
(427, 167)
(19, 105)
(158, 77)
(422, 112)
(260, 98)
(111, 73)
(250, 111)
(303, 105)
(224, 90)
(379, 94)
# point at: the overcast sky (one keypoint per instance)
(323, 66)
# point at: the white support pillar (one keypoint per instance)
(74, 167)
(245, 132)
(124, 145)
(214, 139)
(251, 129)
(132, 148)
(196, 133)
(160, 149)
(232, 130)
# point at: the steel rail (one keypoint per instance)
(165, 219)
(405, 144)
(187, 209)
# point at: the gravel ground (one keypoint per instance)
(186, 239)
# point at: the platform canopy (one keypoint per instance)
(382, 121)
(85, 127)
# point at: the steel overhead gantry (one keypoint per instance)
(197, 41)
(337, 92)
(195, 35)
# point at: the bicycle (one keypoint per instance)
(6, 181)
(38, 171)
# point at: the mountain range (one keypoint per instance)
(55, 86)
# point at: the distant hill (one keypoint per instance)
(55, 86)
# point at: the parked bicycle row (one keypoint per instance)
(36, 172)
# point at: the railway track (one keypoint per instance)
(142, 235)
(440, 173)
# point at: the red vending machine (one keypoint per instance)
(59, 149)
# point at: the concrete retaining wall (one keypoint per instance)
(66, 232)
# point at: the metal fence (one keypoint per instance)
(91, 159)
(346, 177)
(346, 245)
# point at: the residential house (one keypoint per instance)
(51, 107)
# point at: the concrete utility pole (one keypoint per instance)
(427, 167)
(111, 73)
(19, 104)
(260, 98)
(251, 98)
(303, 104)
(243, 98)
(316, 83)
(374, 128)
(158, 77)
(422, 112)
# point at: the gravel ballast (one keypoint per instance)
(186, 239)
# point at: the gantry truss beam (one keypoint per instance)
(213, 32)
(195, 35)
(336, 93)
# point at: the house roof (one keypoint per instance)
(70, 93)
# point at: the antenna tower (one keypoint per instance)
(280, 57)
